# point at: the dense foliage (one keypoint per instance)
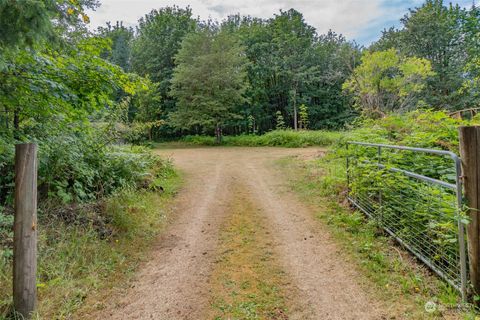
(424, 215)
(68, 91)
(424, 129)
(446, 35)
(287, 65)
(430, 62)
(208, 82)
(58, 91)
(277, 138)
(385, 82)
(80, 95)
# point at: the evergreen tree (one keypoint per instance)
(209, 81)
(303, 123)
(280, 121)
(121, 37)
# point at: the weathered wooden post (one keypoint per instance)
(470, 154)
(25, 230)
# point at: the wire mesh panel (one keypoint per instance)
(415, 195)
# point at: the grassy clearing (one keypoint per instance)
(76, 260)
(398, 279)
(246, 282)
(277, 138)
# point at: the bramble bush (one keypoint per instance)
(101, 199)
(76, 168)
(422, 214)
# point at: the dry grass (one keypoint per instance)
(247, 282)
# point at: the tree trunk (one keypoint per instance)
(295, 116)
(218, 134)
(16, 124)
(295, 112)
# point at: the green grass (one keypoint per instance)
(246, 282)
(277, 138)
(77, 260)
(398, 280)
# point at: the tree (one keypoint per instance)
(293, 39)
(33, 22)
(386, 81)
(471, 29)
(434, 32)
(391, 38)
(44, 83)
(209, 81)
(160, 34)
(121, 38)
(280, 121)
(335, 58)
(290, 65)
(303, 123)
(257, 40)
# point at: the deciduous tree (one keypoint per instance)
(386, 81)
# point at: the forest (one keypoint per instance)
(268, 74)
(98, 102)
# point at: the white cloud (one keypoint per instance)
(344, 16)
(349, 17)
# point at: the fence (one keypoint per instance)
(415, 195)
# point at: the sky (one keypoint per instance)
(359, 20)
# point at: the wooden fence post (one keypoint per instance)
(25, 230)
(470, 154)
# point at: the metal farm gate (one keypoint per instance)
(415, 195)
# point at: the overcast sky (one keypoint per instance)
(360, 20)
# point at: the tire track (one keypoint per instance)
(174, 283)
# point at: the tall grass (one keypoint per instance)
(396, 278)
(277, 138)
(101, 245)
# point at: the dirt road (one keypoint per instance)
(175, 283)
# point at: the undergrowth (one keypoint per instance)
(277, 138)
(322, 183)
(83, 247)
(399, 280)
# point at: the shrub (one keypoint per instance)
(277, 138)
(75, 169)
(423, 215)
(421, 128)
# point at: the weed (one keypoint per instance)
(75, 262)
(277, 138)
(246, 282)
(397, 278)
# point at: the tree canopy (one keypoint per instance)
(385, 82)
(209, 80)
(445, 35)
(51, 61)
